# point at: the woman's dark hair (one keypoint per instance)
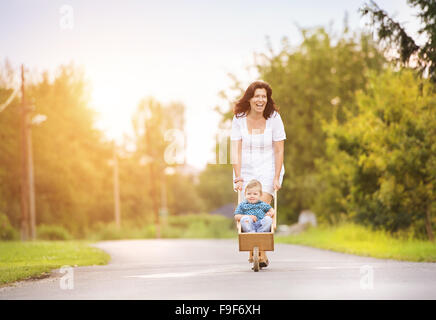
(242, 107)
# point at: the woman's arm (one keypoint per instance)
(278, 154)
(236, 155)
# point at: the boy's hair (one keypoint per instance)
(253, 184)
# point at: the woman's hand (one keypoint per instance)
(238, 183)
(277, 185)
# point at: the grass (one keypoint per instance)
(191, 226)
(26, 260)
(356, 239)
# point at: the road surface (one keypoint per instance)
(215, 269)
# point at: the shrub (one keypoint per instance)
(7, 232)
(52, 232)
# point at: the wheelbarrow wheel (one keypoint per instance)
(256, 259)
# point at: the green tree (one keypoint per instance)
(73, 183)
(313, 82)
(159, 138)
(393, 34)
(380, 164)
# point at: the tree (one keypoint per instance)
(385, 156)
(394, 35)
(159, 138)
(312, 82)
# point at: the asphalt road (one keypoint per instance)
(215, 269)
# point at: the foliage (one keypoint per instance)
(393, 34)
(380, 164)
(7, 232)
(73, 161)
(52, 232)
(357, 239)
(183, 197)
(215, 186)
(180, 226)
(313, 82)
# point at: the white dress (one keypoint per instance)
(258, 160)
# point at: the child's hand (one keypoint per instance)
(254, 218)
(271, 213)
(238, 217)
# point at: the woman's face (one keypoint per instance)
(259, 100)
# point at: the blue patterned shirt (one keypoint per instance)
(257, 209)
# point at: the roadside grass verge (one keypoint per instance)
(190, 226)
(27, 260)
(359, 240)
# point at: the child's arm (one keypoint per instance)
(271, 212)
(239, 212)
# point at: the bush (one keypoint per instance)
(52, 232)
(7, 232)
(182, 226)
(199, 226)
(110, 231)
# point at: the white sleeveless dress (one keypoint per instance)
(258, 160)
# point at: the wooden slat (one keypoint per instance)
(263, 240)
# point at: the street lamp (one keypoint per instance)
(144, 116)
(35, 121)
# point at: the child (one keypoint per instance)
(255, 215)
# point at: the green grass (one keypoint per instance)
(183, 226)
(356, 239)
(24, 260)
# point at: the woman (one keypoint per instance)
(258, 137)
(258, 141)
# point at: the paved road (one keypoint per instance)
(215, 269)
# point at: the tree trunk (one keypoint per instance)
(428, 225)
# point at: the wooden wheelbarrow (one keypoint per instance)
(257, 242)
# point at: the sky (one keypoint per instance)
(172, 50)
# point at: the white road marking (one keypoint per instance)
(186, 274)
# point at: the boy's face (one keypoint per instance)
(253, 195)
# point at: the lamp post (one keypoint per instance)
(28, 211)
(36, 120)
(116, 188)
(24, 119)
(145, 116)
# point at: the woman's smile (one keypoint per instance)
(259, 100)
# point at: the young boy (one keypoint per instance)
(255, 215)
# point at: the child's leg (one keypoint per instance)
(265, 224)
(247, 224)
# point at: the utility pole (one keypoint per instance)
(164, 207)
(116, 189)
(28, 210)
(24, 171)
(31, 181)
(153, 190)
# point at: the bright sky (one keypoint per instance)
(173, 50)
